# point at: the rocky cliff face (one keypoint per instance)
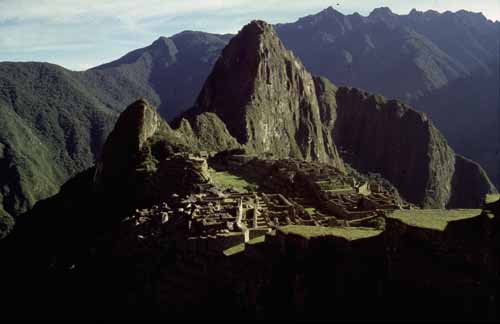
(387, 137)
(271, 104)
(120, 152)
(208, 133)
(266, 98)
(470, 184)
(444, 64)
(139, 161)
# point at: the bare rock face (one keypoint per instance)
(387, 137)
(270, 103)
(144, 160)
(120, 152)
(266, 98)
(326, 91)
(470, 184)
(142, 141)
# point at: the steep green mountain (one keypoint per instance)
(51, 128)
(171, 71)
(91, 236)
(409, 57)
(388, 137)
(266, 98)
(132, 163)
(53, 124)
(6, 223)
(69, 113)
(473, 130)
(440, 63)
(399, 56)
(54, 121)
(272, 105)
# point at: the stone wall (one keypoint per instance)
(403, 273)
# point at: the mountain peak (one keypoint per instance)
(163, 45)
(331, 11)
(328, 14)
(258, 88)
(161, 40)
(257, 28)
(381, 12)
(471, 16)
(136, 124)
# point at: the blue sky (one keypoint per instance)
(79, 34)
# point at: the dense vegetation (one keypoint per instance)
(475, 130)
(54, 121)
(440, 63)
(171, 71)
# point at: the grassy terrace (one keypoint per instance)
(310, 210)
(234, 249)
(257, 240)
(241, 247)
(348, 233)
(436, 219)
(227, 180)
(491, 198)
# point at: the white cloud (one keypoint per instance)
(127, 10)
(69, 11)
(93, 31)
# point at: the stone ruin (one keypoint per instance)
(316, 185)
(291, 192)
(305, 215)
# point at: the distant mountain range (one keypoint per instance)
(444, 64)
(259, 97)
(400, 56)
(54, 121)
(411, 57)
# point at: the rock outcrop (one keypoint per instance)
(144, 160)
(470, 184)
(271, 105)
(134, 127)
(388, 137)
(208, 132)
(266, 98)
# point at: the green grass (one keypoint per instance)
(310, 210)
(348, 233)
(6, 223)
(491, 198)
(436, 219)
(234, 249)
(228, 180)
(257, 240)
(241, 247)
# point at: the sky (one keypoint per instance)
(79, 34)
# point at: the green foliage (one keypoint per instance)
(310, 210)
(6, 223)
(234, 249)
(377, 222)
(51, 127)
(348, 233)
(169, 73)
(228, 180)
(436, 219)
(491, 198)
